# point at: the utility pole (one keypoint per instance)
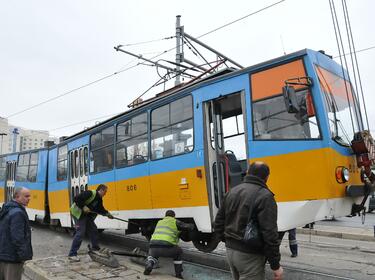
(15, 133)
(179, 49)
(2, 134)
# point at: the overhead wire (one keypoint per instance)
(62, 127)
(357, 51)
(241, 18)
(71, 91)
(126, 69)
(356, 93)
(147, 42)
(227, 24)
(339, 42)
(356, 63)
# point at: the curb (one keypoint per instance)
(342, 235)
(34, 272)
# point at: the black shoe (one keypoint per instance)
(148, 269)
(293, 255)
(179, 276)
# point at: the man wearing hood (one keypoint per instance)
(15, 236)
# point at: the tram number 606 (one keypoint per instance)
(131, 188)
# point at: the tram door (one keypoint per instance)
(10, 180)
(223, 142)
(78, 171)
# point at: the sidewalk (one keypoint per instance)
(342, 229)
(60, 268)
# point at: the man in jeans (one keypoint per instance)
(15, 236)
(245, 261)
(85, 208)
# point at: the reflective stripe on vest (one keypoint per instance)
(166, 230)
(76, 211)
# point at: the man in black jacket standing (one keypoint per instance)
(85, 208)
(248, 262)
(15, 236)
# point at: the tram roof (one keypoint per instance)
(189, 86)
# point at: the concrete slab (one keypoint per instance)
(60, 268)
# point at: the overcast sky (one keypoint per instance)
(50, 47)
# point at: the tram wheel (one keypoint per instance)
(206, 242)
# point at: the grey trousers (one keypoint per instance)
(246, 266)
(11, 271)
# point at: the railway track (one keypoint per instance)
(214, 265)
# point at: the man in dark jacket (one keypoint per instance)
(164, 242)
(15, 236)
(85, 208)
(248, 262)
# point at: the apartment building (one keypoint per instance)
(15, 139)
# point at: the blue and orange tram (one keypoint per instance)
(184, 149)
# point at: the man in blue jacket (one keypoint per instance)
(15, 236)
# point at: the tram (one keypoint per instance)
(185, 148)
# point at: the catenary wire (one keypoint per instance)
(118, 72)
(147, 42)
(357, 67)
(72, 91)
(339, 42)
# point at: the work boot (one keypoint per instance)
(149, 265)
(178, 269)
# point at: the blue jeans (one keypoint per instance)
(293, 245)
(85, 225)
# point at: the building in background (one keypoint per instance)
(17, 139)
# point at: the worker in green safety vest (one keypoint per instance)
(164, 242)
(84, 210)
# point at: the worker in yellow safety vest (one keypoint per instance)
(164, 242)
(84, 210)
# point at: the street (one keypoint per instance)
(319, 257)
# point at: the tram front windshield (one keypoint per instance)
(341, 105)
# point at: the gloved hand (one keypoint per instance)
(86, 209)
(109, 215)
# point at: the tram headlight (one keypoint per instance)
(342, 174)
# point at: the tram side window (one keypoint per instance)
(101, 150)
(172, 129)
(2, 168)
(22, 167)
(132, 141)
(271, 119)
(62, 163)
(33, 167)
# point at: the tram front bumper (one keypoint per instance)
(359, 190)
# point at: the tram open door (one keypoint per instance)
(78, 172)
(225, 149)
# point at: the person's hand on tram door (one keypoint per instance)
(86, 209)
(109, 215)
